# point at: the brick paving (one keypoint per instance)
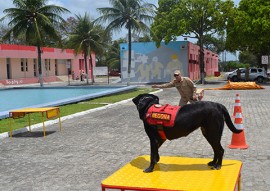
(94, 145)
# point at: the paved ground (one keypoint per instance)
(93, 146)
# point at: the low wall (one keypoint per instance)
(28, 80)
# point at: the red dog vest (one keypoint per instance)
(162, 115)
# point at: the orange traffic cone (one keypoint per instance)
(238, 140)
(237, 106)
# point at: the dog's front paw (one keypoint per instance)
(149, 169)
(216, 167)
(157, 158)
(212, 163)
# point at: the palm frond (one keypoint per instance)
(32, 18)
(132, 14)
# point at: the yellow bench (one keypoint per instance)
(51, 112)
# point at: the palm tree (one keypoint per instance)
(87, 38)
(134, 15)
(113, 55)
(35, 21)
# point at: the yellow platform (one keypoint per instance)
(175, 174)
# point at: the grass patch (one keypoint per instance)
(73, 108)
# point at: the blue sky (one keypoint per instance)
(80, 7)
(90, 6)
(77, 6)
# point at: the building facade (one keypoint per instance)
(19, 64)
(150, 64)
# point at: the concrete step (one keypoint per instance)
(63, 78)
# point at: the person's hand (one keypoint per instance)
(195, 97)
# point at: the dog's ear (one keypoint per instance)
(136, 99)
(155, 98)
(143, 100)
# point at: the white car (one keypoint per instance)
(255, 74)
(226, 74)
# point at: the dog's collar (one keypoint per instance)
(143, 116)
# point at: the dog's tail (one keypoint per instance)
(228, 121)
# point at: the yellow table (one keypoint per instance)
(175, 174)
(51, 112)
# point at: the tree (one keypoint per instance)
(113, 55)
(34, 20)
(249, 29)
(11, 40)
(134, 15)
(215, 44)
(3, 31)
(107, 43)
(198, 19)
(87, 38)
(67, 28)
(145, 38)
(232, 65)
(247, 57)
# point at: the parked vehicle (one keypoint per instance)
(114, 73)
(255, 74)
(226, 74)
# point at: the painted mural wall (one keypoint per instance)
(151, 64)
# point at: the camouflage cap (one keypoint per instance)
(177, 72)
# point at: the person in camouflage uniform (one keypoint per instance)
(185, 87)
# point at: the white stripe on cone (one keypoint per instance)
(239, 126)
(237, 104)
(238, 115)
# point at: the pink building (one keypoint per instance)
(210, 62)
(19, 64)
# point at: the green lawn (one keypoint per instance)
(73, 108)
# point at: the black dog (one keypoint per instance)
(209, 116)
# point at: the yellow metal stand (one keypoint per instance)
(51, 112)
(175, 174)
